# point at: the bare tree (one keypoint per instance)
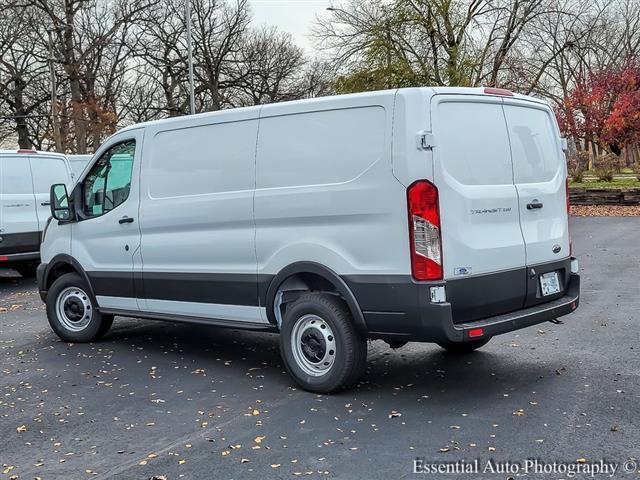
(90, 41)
(22, 91)
(268, 68)
(511, 43)
(218, 30)
(162, 65)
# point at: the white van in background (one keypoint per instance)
(26, 177)
(424, 214)
(78, 163)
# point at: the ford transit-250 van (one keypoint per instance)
(426, 214)
(26, 177)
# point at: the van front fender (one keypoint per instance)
(60, 264)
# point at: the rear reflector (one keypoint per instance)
(424, 231)
(498, 91)
(575, 267)
(475, 332)
(4, 259)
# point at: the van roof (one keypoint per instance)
(32, 152)
(379, 94)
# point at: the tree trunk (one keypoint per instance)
(594, 152)
(22, 129)
(72, 69)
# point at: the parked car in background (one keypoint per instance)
(78, 163)
(426, 214)
(26, 177)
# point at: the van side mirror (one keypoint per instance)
(60, 209)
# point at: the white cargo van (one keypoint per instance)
(78, 163)
(26, 177)
(426, 214)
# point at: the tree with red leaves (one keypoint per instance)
(604, 109)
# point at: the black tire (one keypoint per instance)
(26, 270)
(90, 324)
(460, 348)
(349, 358)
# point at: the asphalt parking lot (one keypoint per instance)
(162, 399)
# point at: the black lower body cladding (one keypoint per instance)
(19, 243)
(20, 251)
(393, 307)
(397, 308)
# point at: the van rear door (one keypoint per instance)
(479, 209)
(539, 172)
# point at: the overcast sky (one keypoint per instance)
(293, 16)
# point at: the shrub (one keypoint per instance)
(607, 166)
(577, 164)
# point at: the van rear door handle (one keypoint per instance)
(125, 220)
(533, 205)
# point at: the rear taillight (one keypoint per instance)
(566, 183)
(424, 231)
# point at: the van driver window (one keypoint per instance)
(108, 182)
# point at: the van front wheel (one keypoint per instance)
(319, 344)
(72, 312)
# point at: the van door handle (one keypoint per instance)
(125, 220)
(533, 205)
(46, 204)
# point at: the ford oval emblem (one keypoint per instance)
(557, 248)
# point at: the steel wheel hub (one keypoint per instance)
(73, 308)
(313, 345)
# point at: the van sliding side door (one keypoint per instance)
(196, 211)
(19, 231)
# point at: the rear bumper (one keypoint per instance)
(526, 317)
(415, 318)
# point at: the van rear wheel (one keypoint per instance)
(320, 346)
(72, 312)
(460, 348)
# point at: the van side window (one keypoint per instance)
(108, 182)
